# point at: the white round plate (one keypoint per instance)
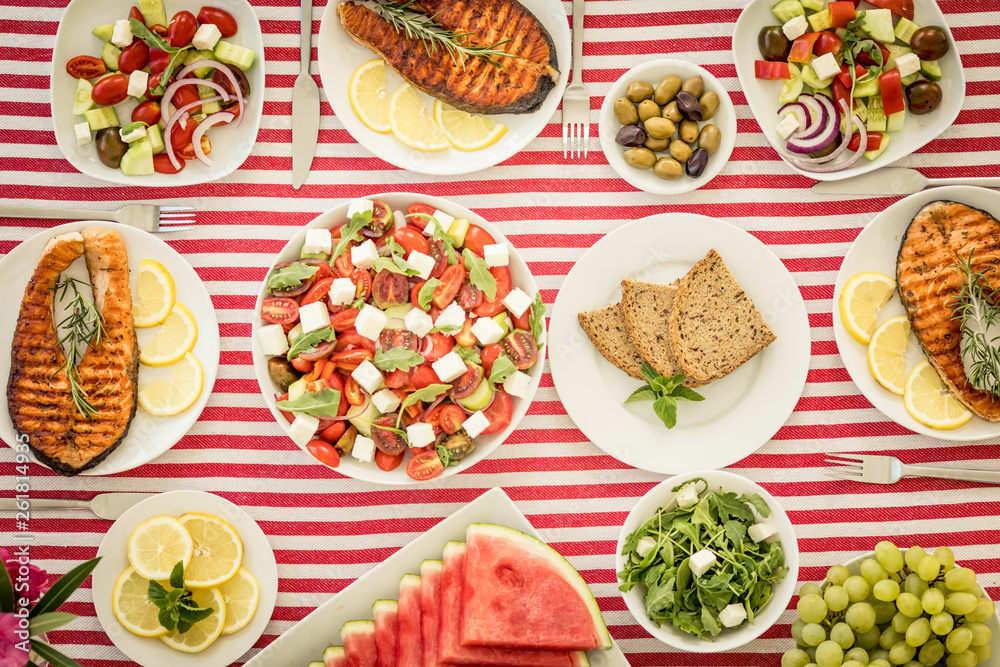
(230, 145)
(875, 249)
(258, 559)
(741, 411)
(645, 179)
(148, 436)
(485, 444)
(339, 56)
(662, 495)
(918, 131)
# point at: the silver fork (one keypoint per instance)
(889, 470)
(146, 217)
(576, 99)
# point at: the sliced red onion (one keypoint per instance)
(168, 94)
(835, 154)
(818, 114)
(355, 411)
(214, 119)
(826, 135)
(228, 74)
(818, 166)
(800, 111)
(178, 115)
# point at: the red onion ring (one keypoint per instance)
(214, 119)
(168, 94)
(850, 162)
(826, 158)
(228, 74)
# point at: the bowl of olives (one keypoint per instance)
(667, 126)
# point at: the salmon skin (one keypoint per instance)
(941, 236)
(473, 85)
(39, 399)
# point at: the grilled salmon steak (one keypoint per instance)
(942, 235)
(475, 85)
(39, 398)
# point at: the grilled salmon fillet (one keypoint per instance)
(474, 86)
(941, 235)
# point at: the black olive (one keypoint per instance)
(696, 163)
(773, 44)
(110, 147)
(689, 106)
(923, 97)
(929, 43)
(631, 135)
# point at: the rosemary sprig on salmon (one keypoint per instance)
(974, 307)
(83, 326)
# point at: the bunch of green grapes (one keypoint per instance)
(915, 610)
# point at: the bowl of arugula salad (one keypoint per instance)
(707, 561)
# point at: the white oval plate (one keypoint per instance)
(918, 131)
(230, 145)
(645, 179)
(875, 249)
(740, 412)
(485, 444)
(339, 56)
(258, 558)
(148, 436)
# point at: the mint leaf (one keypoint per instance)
(426, 293)
(479, 274)
(537, 319)
(396, 359)
(168, 618)
(157, 594)
(470, 354)
(665, 408)
(307, 342)
(502, 369)
(350, 232)
(643, 393)
(686, 394)
(177, 575)
(649, 372)
(664, 392)
(427, 394)
(292, 275)
(322, 403)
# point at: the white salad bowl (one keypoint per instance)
(231, 145)
(662, 495)
(918, 131)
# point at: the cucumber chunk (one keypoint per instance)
(820, 21)
(904, 29)
(786, 10)
(208, 108)
(103, 32)
(894, 122)
(791, 88)
(876, 115)
(83, 103)
(878, 24)
(362, 422)
(194, 56)
(860, 110)
(909, 78)
(110, 54)
(866, 88)
(871, 155)
(930, 69)
(812, 5)
(237, 56)
(811, 79)
(100, 118)
(138, 160)
(155, 139)
(153, 12)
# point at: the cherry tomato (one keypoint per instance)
(323, 272)
(352, 390)
(287, 415)
(467, 383)
(499, 412)
(827, 42)
(220, 18)
(343, 264)
(386, 440)
(476, 238)
(363, 283)
(415, 294)
(278, 310)
(134, 13)
(451, 282)
(158, 60)
(148, 112)
(163, 165)
(181, 133)
(423, 376)
(390, 289)
(133, 57)
(390, 338)
(324, 452)
(465, 337)
(220, 78)
(387, 461)
(86, 67)
(352, 359)
(416, 212)
(411, 239)
(424, 466)
(470, 297)
(344, 320)
(181, 29)
(159, 29)
(334, 431)
(489, 355)
(450, 418)
(351, 339)
(523, 322)
(110, 91)
(184, 96)
(302, 365)
(318, 291)
(153, 84)
(436, 345)
(187, 152)
(397, 379)
(521, 348)
(495, 305)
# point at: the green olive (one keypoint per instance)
(641, 158)
(657, 145)
(648, 109)
(672, 112)
(709, 104)
(660, 128)
(638, 91)
(710, 138)
(667, 89)
(689, 131)
(695, 85)
(668, 168)
(625, 111)
(680, 151)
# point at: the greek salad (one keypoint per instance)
(148, 101)
(866, 68)
(398, 336)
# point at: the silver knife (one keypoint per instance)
(894, 182)
(104, 505)
(305, 106)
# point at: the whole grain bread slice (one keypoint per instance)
(606, 329)
(714, 326)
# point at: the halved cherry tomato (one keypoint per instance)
(323, 271)
(220, 18)
(134, 13)
(415, 294)
(318, 291)
(153, 84)
(495, 305)
(181, 29)
(159, 29)
(163, 165)
(324, 452)
(181, 132)
(390, 338)
(451, 282)
(436, 251)
(351, 339)
(476, 238)
(436, 345)
(468, 382)
(469, 297)
(302, 365)
(111, 90)
(278, 310)
(523, 322)
(827, 42)
(489, 355)
(424, 466)
(133, 57)
(411, 239)
(397, 379)
(345, 267)
(334, 431)
(390, 289)
(465, 337)
(423, 376)
(187, 152)
(86, 67)
(362, 282)
(521, 348)
(158, 60)
(344, 320)
(450, 418)
(352, 390)
(386, 439)
(387, 461)
(148, 112)
(873, 144)
(499, 413)
(289, 417)
(415, 213)
(184, 96)
(353, 358)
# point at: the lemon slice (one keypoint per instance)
(369, 97)
(410, 123)
(154, 294)
(466, 131)
(156, 545)
(169, 396)
(201, 635)
(175, 338)
(132, 608)
(241, 594)
(887, 354)
(929, 401)
(861, 299)
(218, 550)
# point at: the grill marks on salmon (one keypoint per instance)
(475, 86)
(941, 235)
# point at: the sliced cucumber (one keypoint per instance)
(894, 122)
(155, 139)
(871, 155)
(820, 21)
(194, 56)
(930, 69)
(83, 103)
(841, 33)
(860, 110)
(811, 79)
(812, 5)
(909, 78)
(878, 24)
(103, 32)
(457, 230)
(363, 422)
(876, 116)
(895, 51)
(786, 10)
(791, 88)
(504, 323)
(297, 389)
(866, 88)
(102, 117)
(237, 56)
(110, 54)
(138, 160)
(479, 398)
(153, 12)
(904, 29)
(395, 316)
(209, 107)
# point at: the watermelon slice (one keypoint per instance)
(384, 612)
(334, 656)
(409, 652)
(517, 591)
(450, 651)
(359, 643)
(430, 602)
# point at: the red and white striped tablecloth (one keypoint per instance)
(326, 530)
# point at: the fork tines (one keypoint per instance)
(575, 136)
(847, 467)
(177, 218)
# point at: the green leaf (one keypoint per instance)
(157, 594)
(177, 576)
(537, 319)
(350, 232)
(308, 342)
(479, 274)
(643, 393)
(469, 354)
(292, 275)
(60, 591)
(322, 403)
(427, 394)
(394, 248)
(649, 373)
(426, 293)
(735, 531)
(396, 359)
(6, 591)
(194, 614)
(175, 60)
(686, 394)
(168, 617)
(758, 503)
(502, 369)
(47, 622)
(445, 456)
(395, 264)
(666, 385)
(665, 408)
(152, 40)
(54, 657)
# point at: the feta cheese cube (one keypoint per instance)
(385, 401)
(687, 496)
(733, 615)
(303, 428)
(314, 316)
(496, 254)
(826, 66)
(82, 131)
(342, 291)
(443, 220)
(422, 263)
(908, 64)
(137, 82)
(644, 546)
(701, 561)
(787, 126)
(369, 377)
(317, 240)
(795, 28)
(363, 256)
(420, 434)
(451, 317)
(476, 423)
(121, 36)
(370, 322)
(487, 331)
(364, 449)
(517, 301)
(449, 367)
(418, 322)
(517, 384)
(272, 340)
(206, 37)
(432, 226)
(761, 531)
(361, 205)
(135, 135)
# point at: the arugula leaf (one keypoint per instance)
(307, 342)
(396, 359)
(445, 456)
(292, 275)
(169, 71)
(664, 392)
(502, 369)
(470, 354)
(426, 293)
(350, 232)
(393, 248)
(537, 318)
(395, 264)
(152, 40)
(479, 274)
(322, 403)
(427, 394)
(447, 240)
